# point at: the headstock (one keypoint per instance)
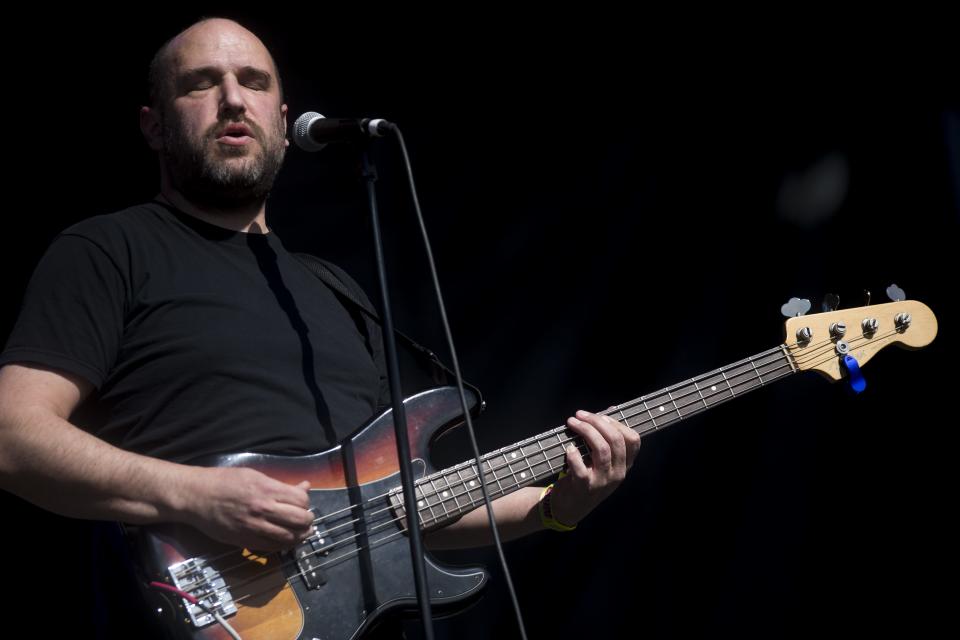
(818, 342)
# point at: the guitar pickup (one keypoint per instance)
(203, 582)
(308, 557)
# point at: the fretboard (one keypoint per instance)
(449, 493)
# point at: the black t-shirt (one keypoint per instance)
(199, 340)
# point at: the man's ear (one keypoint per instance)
(151, 127)
(283, 116)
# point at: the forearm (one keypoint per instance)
(516, 514)
(55, 465)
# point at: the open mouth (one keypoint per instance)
(236, 134)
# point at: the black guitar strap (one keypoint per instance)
(429, 369)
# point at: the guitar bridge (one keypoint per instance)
(203, 582)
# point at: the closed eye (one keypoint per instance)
(255, 79)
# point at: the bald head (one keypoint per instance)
(210, 34)
(217, 117)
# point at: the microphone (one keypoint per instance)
(313, 131)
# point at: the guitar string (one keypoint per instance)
(341, 542)
(373, 544)
(490, 470)
(383, 539)
(664, 393)
(329, 532)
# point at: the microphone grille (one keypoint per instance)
(301, 132)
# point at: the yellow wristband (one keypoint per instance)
(546, 512)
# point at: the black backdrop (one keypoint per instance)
(615, 206)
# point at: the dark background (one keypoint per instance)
(615, 205)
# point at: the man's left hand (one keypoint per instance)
(613, 448)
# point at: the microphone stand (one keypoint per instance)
(369, 174)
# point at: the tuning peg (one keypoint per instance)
(895, 293)
(795, 307)
(830, 302)
(866, 297)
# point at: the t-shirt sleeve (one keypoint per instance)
(72, 315)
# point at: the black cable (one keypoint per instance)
(456, 369)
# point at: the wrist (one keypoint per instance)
(548, 516)
(181, 493)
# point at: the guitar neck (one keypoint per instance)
(449, 493)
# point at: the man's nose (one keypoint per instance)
(231, 98)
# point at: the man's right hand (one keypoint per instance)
(249, 509)
(56, 465)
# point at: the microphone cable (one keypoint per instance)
(456, 368)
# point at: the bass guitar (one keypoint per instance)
(356, 567)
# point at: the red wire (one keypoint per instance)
(183, 594)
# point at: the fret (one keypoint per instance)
(660, 409)
(638, 418)
(533, 474)
(422, 500)
(546, 458)
(493, 472)
(675, 407)
(562, 455)
(734, 393)
(774, 367)
(426, 501)
(443, 503)
(744, 374)
(453, 493)
(466, 487)
(688, 401)
(510, 469)
(702, 399)
(653, 420)
(516, 458)
(557, 454)
(717, 394)
(470, 483)
(758, 372)
(461, 483)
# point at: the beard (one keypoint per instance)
(220, 176)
